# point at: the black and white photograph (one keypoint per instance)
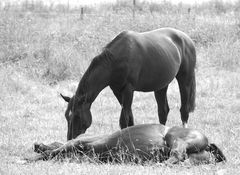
(119, 87)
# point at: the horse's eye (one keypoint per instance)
(81, 100)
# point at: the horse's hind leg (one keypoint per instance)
(187, 87)
(178, 149)
(200, 157)
(163, 108)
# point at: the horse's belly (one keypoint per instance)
(149, 86)
(143, 138)
(156, 78)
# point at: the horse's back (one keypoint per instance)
(149, 60)
(180, 40)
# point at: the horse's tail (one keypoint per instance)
(189, 53)
(216, 152)
(192, 58)
(192, 93)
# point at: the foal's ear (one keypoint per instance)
(67, 99)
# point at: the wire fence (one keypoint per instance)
(133, 7)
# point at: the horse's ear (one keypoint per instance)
(67, 99)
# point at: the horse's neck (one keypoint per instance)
(93, 82)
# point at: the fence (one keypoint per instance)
(134, 6)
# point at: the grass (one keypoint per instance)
(45, 53)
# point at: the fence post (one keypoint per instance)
(26, 5)
(68, 7)
(134, 4)
(81, 13)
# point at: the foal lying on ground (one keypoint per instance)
(142, 142)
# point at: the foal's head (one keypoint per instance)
(78, 116)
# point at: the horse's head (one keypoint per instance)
(78, 116)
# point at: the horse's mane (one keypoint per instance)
(103, 59)
(118, 37)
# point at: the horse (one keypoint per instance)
(140, 143)
(134, 61)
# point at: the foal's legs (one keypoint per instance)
(125, 97)
(40, 147)
(163, 108)
(83, 144)
(178, 151)
(44, 151)
(51, 150)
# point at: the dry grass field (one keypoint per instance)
(44, 52)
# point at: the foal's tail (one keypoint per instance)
(216, 152)
(192, 93)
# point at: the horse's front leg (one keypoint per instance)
(40, 147)
(126, 118)
(162, 102)
(50, 151)
(71, 146)
(124, 98)
(44, 151)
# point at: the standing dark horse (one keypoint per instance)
(134, 61)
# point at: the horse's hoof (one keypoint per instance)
(37, 147)
(22, 161)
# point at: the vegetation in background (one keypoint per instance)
(56, 43)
